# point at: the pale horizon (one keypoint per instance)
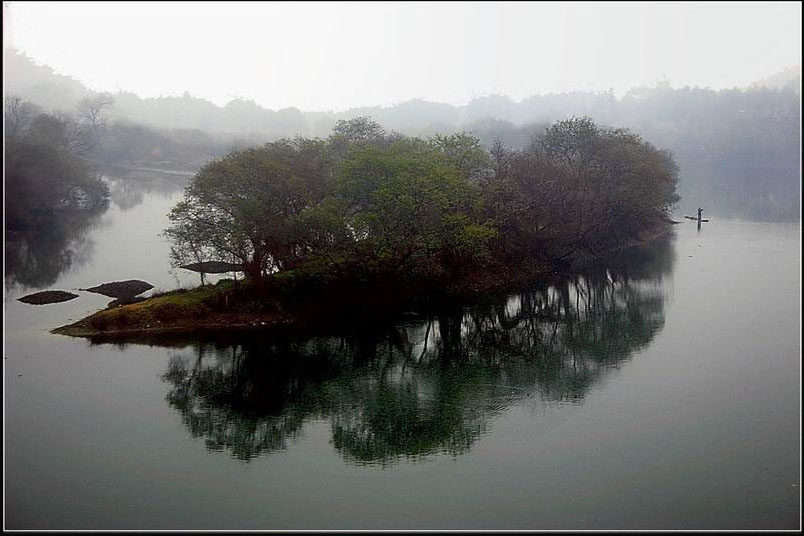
(438, 52)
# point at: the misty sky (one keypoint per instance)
(331, 56)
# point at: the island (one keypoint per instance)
(372, 223)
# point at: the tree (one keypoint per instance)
(355, 131)
(46, 169)
(92, 109)
(358, 129)
(408, 203)
(249, 205)
(580, 186)
(466, 154)
(61, 132)
(366, 204)
(17, 115)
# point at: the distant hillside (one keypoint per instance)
(39, 83)
(738, 149)
(787, 79)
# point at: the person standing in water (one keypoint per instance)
(699, 213)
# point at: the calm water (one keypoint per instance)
(658, 391)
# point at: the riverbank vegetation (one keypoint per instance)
(48, 166)
(366, 204)
(738, 147)
(367, 219)
(443, 372)
(52, 191)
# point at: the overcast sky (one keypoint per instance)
(331, 56)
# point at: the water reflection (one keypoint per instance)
(128, 188)
(37, 255)
(421, 387)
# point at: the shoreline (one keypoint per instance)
(184, 312)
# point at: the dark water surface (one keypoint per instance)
(660, 390)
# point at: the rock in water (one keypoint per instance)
(121, 289)
(48, 296)
(213, 267)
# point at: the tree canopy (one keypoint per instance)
(381, 204)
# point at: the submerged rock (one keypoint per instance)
(213, 267)
(121, 289)
(48, 296)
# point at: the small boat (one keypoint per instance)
(693, 218)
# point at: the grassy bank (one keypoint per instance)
(204, 307)
(289, 302)
(294, 300)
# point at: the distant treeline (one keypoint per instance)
(53, 193)
(737, 149)
(364, 205)
(48, 164)
(133, 145)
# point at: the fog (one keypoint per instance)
(464, 266)
(716, 84)
(334, 56)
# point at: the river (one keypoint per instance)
(659, 390)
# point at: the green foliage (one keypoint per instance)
(578, 185)
(403, 200)
(466, 154)
(358, 129)
(248, 206)
(363, 203)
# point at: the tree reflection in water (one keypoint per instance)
(36, 255)
(128, 188)
(422, 387)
